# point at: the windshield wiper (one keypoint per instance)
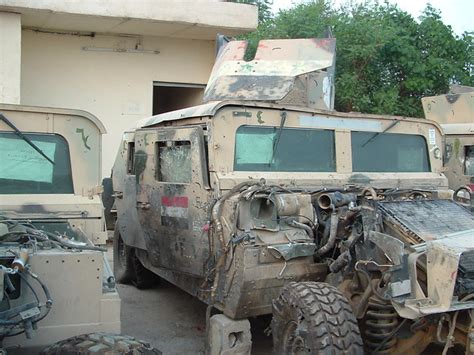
(25, 138)
(277, 139)
(390, 126)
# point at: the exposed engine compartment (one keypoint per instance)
(39, 265)
(382, 248)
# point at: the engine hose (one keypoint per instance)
(64, 243)
(304, 227)
(217, 209)
(372, 192)
(332, 235)
(216, 220)
(47, 294)
(340, 262)
(56, 239)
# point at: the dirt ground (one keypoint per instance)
(173, 321)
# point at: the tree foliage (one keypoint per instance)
(386, 60)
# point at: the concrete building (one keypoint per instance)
(121, 60)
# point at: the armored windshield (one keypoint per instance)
(24, 171)
(256, 149)
(389, 152)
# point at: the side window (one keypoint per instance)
(389, 153)
(130, 157)
(173, 161)
(270, 149)
(469, 160)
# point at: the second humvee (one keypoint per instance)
(455, 113)
(57, 287)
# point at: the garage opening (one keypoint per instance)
(174, 96)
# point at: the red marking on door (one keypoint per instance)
(174, 201)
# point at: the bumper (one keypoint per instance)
(442, 258)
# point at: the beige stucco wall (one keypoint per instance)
(116, 87)
(10, 56)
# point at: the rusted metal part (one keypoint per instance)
(445, 217)
(298, 72)
(443, 257)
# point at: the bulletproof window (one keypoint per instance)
(389, 152)
(260, 148)
(130, 157)
(23, 170)
(469, 160)
(174, 161)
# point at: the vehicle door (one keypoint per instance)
(172, 196)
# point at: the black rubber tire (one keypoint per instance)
(108, 201)
(124, 269)
(143, 278)
(314, 318)
(100, 344)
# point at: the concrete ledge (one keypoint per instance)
(158, 17)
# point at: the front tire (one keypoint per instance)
(314, 318)
(123, 259)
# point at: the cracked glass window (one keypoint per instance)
(469, 161)
(23, 170)
(389, 152)
(174, 162)
(287, 149)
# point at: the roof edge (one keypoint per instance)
(59, 111)
(210, 109)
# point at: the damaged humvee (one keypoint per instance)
(266, 201)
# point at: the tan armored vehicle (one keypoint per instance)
(56, 283)
(263, 201)
(455, 113)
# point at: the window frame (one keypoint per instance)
(66, 151)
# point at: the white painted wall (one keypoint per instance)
(10, 57)
(116, 87)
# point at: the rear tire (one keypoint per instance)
(314, 318)
(123, 259)
(127, 267)
(144, 278)
(100, 344)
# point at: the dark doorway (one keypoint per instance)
(174, 96)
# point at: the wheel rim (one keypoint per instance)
(293, 342)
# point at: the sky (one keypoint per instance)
(459, 14)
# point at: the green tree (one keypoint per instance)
(386, 61)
